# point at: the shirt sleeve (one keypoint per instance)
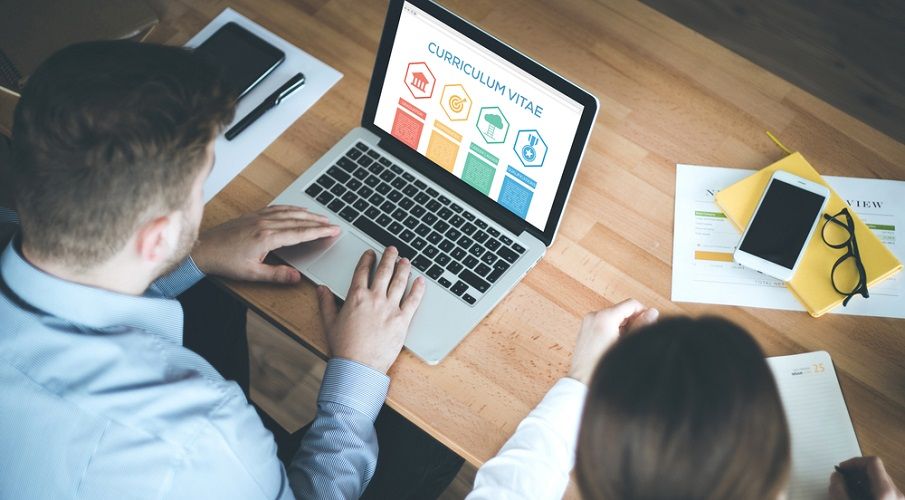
(338, 455)
(176, 281)
(536, 461)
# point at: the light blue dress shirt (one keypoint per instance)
(99, 399)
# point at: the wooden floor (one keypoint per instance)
(285, 378)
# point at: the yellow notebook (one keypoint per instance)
(811, 284)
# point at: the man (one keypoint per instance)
(112, 142)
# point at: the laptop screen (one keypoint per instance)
(497, 128)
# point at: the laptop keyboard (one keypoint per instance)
(458, 249)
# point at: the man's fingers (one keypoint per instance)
(300, 234)
(626, 309)
(327, 306)
(385, 269)
(647, 317)
(399, 281)
(275, 273)
(362, 270)
(289, 212)
(837, 487)
(412, 300)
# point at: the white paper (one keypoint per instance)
(700, 226)
(233, 156)
(819, 423)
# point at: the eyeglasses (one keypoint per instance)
(841, 234)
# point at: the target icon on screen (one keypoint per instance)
(456, 102)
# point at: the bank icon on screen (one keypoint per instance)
(419, 80)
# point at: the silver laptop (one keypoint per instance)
(464, 160)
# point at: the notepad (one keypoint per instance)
(819, 423)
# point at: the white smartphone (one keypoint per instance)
(782, 225)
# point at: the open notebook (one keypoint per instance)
(821, 429)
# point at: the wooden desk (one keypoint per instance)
(667, 95)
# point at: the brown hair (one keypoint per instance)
(106, 136)
(683, 409)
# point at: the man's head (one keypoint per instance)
(111, 144)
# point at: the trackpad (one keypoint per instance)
(335, 267)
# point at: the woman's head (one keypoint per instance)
(683, 409)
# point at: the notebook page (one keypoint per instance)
(820, 427)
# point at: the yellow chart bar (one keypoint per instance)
(717, 256)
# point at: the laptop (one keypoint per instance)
(464, 161)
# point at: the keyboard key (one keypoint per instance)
(442, 259)
(465, 242)
(326, 181)
(419, 243)
(384, 220)
(349, 213)
(468, 215)
(338, 189)
(372, 181)
(502, 265)
(434, 237)
(420, 184)
(474, 280)
(492, 244)
(458, 253)
(407, 235)
(399, 214)
(410, 222)
(365, 192)
(423, 230)
(454, 267)
(396, 168)
(481, 224)
(314, 190)
(383, 188)
(505, 239)
(507, 254)
(387, 176)
(354, 184)
(470, 262)
(432, 205)
(457, 221)
(324, 198)
(385, 162)
(395, 196)
(406, 203)
(395, 227)
(446, 245)
(407, 176)
(477, 250)
(360, 205)
(418, 210)
(453, 234)
(432, 192)
(459, 288)
(398, 183)
(361, 146)
(360, 174)
(347, 165)
(468, 298)
(349, 197)
(353, 153)
(429, 218)
(494, 275)
(443, 200)
(518, 248)
(388, 207)
(376, 199)
(444, 213)
(482, 270)
(444, 282)
(421, 262)
(336, 205)
(422, 198)
(373, 154)
(372, 213)
(431, 251)
(493, 232)
(338, 174)
(468, 228)
(364, 161)
(489, 258)
(441, 226)
(455, 208)
(410, 190)
(435, 271)
(480, 236)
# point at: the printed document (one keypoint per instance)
(704, 240)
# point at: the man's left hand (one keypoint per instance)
(236, 249)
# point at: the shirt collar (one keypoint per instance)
(95, 308)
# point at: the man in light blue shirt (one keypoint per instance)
(112, 143)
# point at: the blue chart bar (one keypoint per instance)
(514, 195)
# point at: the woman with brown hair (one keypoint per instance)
(683, 408)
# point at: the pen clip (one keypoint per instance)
(289, 87)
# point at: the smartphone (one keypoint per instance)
(782, 225)
(245, 57)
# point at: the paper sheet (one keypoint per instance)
(821, 429)
(704, 239)
(233, 156)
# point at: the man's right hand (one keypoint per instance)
(372, 324)
(878, 480)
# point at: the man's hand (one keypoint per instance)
(878, 480)
(601, 329)
(236, 249)
(372, 324)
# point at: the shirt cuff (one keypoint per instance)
(564, 404)
(354, 385)
(180, 279)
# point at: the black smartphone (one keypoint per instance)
(245, 57)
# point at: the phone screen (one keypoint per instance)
(782, 223)
(245, 58)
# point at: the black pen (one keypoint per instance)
(272, 101)
(856, 484)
